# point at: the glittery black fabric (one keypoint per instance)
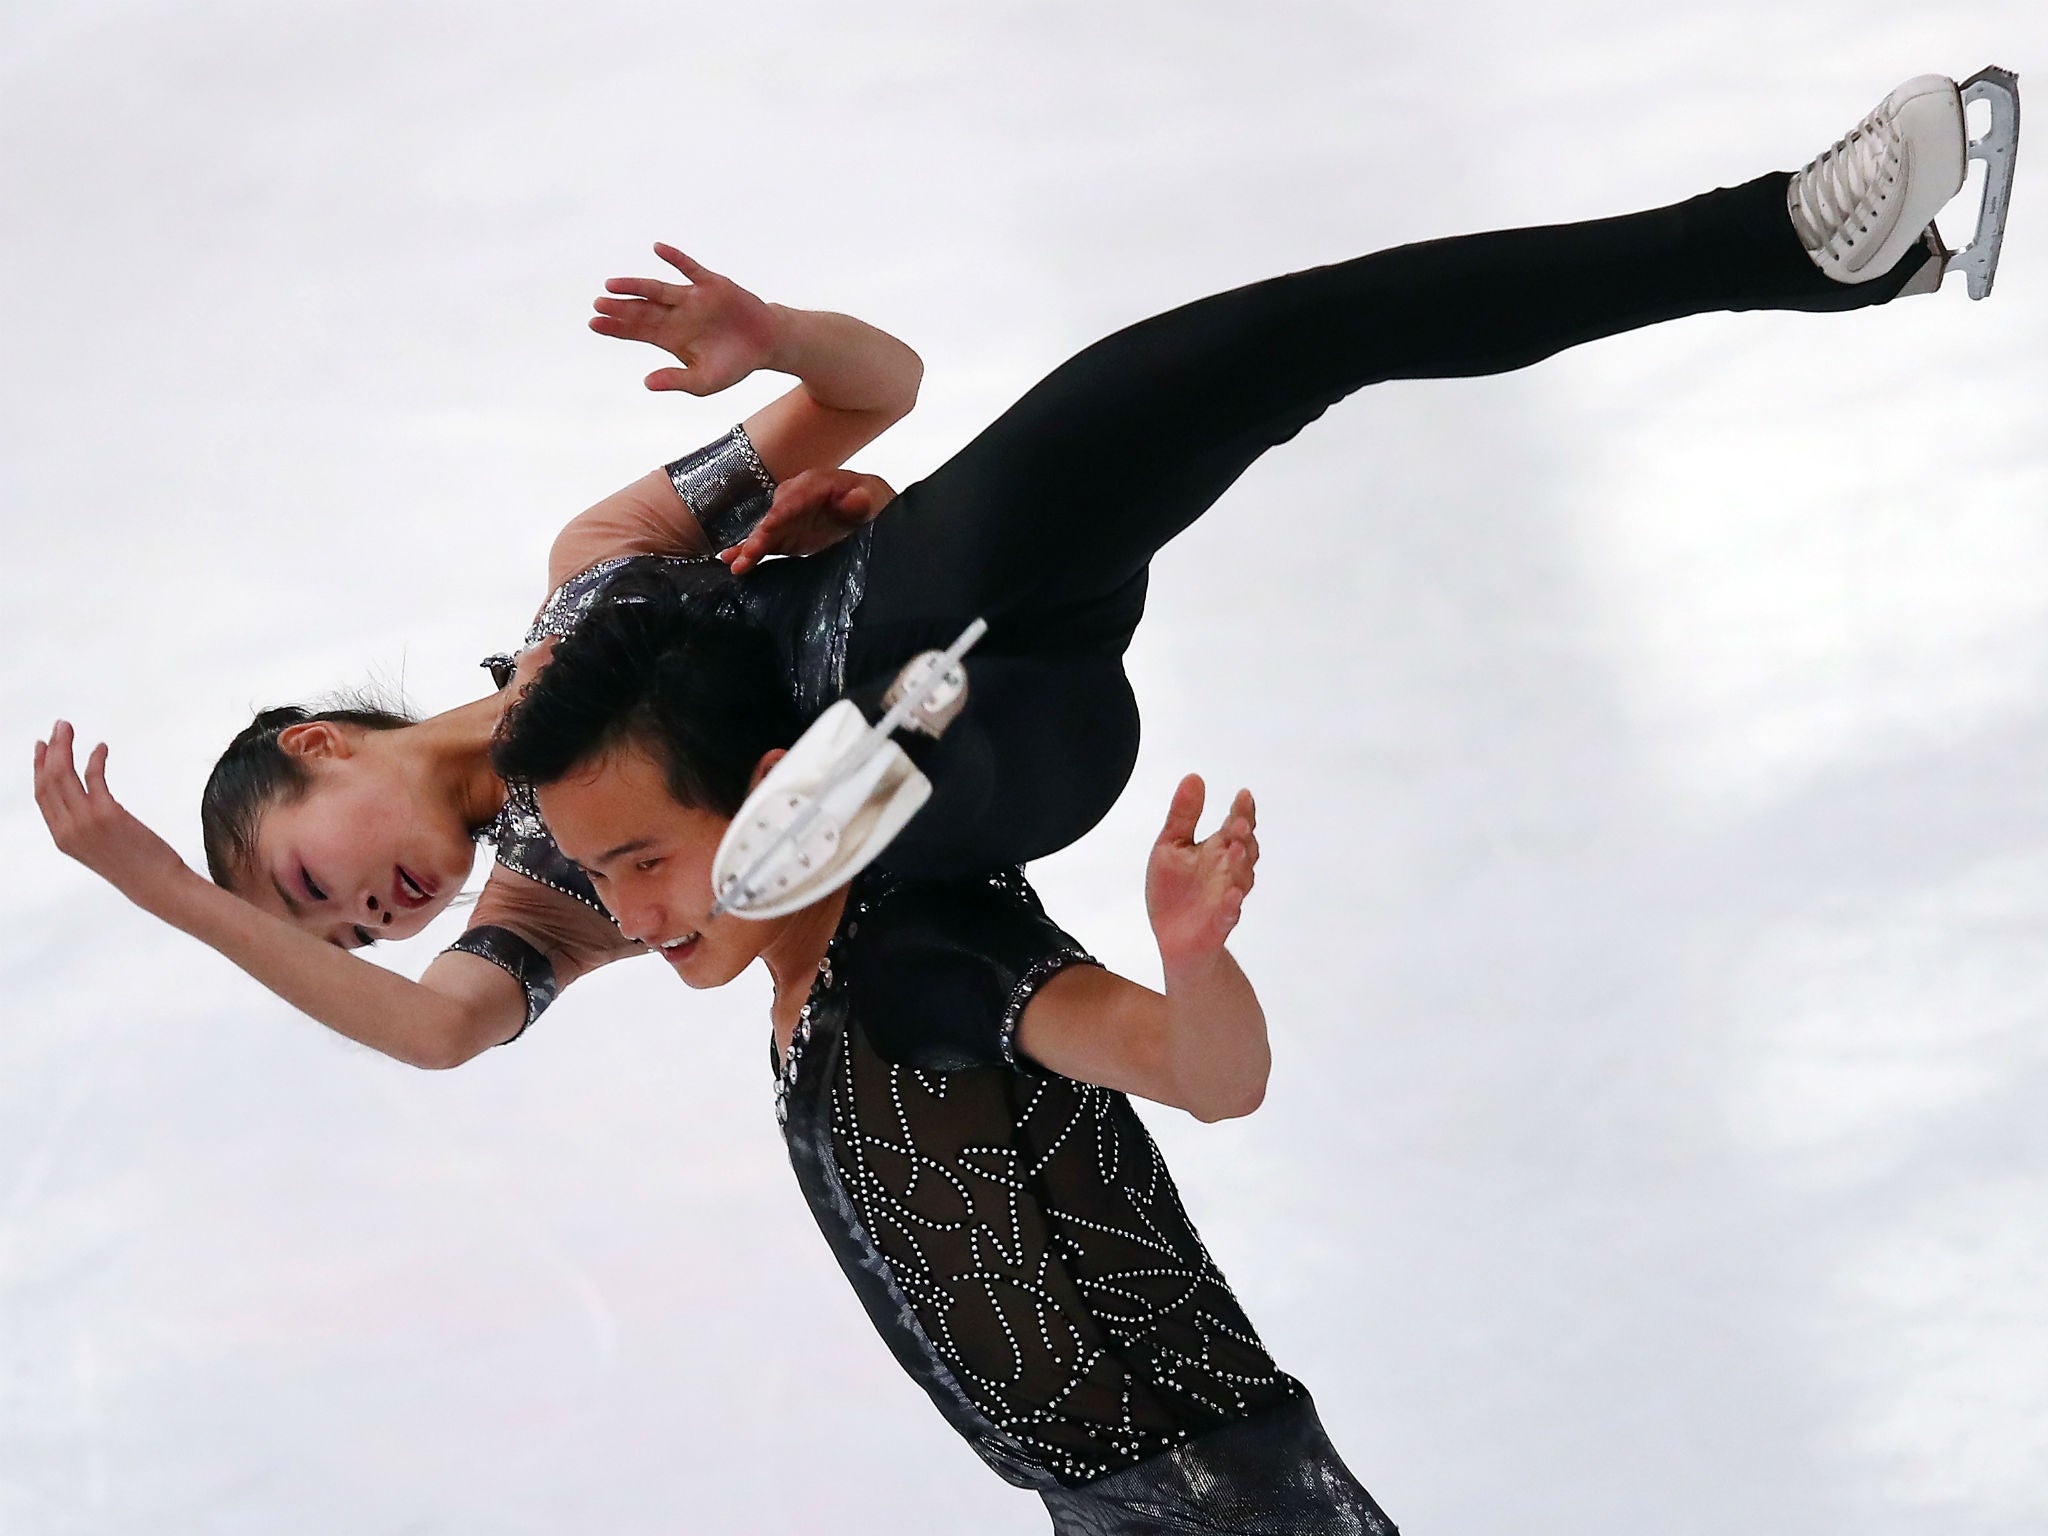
(526, 847)
(1013, 1234)
(1273, 1474)
(803, 606)
(726, 485)
(520, 960)
(727, 488)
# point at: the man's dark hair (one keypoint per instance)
(685, 677)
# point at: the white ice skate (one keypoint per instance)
(839, 796)
(1863, 203)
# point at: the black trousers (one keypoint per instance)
(1046, 522)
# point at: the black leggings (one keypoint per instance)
(1045, 523)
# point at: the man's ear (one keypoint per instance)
(315, 738)
(768, 760)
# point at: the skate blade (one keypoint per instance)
(818, 819)
(806, 834)
(942, 678)
(1999, 150)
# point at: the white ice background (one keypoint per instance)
(1651, 751)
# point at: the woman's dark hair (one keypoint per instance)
(684, 676)
(256, 773)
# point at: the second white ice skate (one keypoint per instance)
(838, 797)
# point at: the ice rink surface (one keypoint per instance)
(1651, 752)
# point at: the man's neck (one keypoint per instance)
(793, 957)
(799, 945)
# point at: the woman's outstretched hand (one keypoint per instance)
(717, 330)
(811, 511)
(93, 827)
(1195, 891)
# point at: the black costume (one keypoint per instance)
(1011, 1232)
(1018, 1242)
(1046, 523)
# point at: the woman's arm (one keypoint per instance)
(1201, 1046)
(854, 382)
(461, 1007)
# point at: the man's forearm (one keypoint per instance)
(1216, 1050)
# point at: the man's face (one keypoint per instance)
(650, 860)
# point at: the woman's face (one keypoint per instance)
(362, 854)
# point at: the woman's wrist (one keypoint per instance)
(179, 896)
(844, 364)
(785, 351)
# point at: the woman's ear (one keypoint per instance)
(768, 760)
(315, 739)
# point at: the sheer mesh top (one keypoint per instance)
(1013, 1234)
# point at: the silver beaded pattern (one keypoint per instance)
(526, 847)
(786, 1069)
(567, 604)
(1033, 1227)
(518, 958)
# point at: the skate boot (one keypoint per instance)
(839, 796)
(1866, 201)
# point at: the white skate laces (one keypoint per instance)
(839, 796)
(1863, 203)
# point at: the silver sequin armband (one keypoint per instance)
(726, 486)
(515, 956)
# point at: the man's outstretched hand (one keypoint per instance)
(1195, 891)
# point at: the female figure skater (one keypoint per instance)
(1044, 524)
(326, 831)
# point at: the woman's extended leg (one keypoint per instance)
(1070, 493)
(1046, 522)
